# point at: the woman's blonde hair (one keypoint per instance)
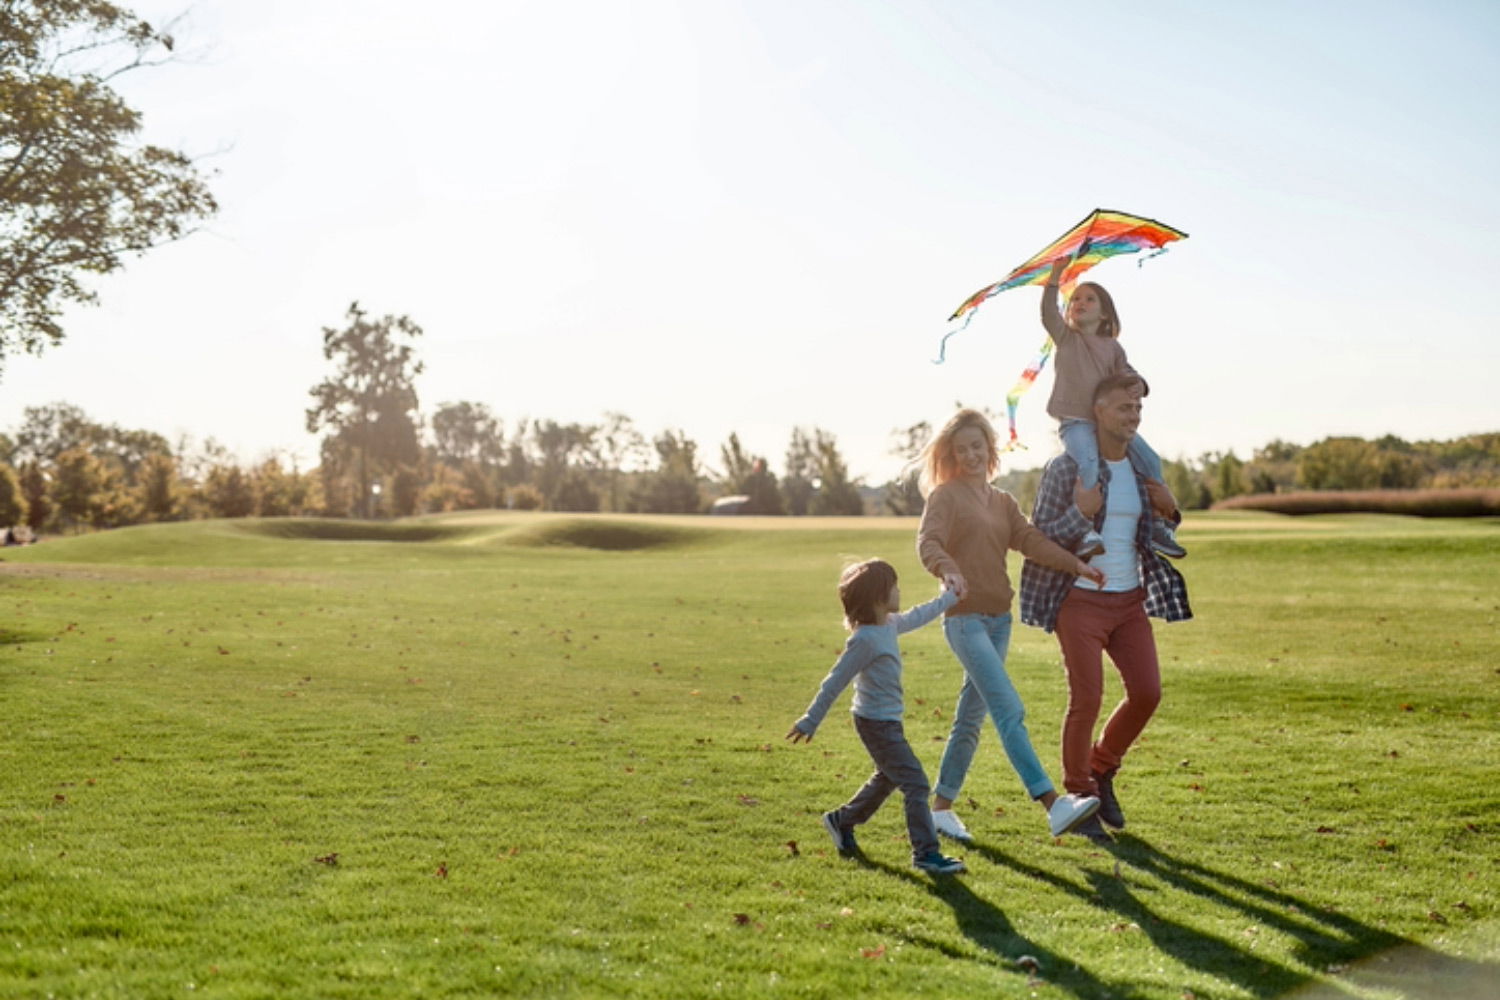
(936, 462)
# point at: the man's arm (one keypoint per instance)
(1056, 511)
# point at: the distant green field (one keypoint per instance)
(542, 755)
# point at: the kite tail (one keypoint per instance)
(1025, 382)
(1154, 253)
(943, 344)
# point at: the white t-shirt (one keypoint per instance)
(1120, 562)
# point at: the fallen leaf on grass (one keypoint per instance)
(331, 860)
(742, 919)
(442, 870)
(1327, 829)
(872, 952)
(791, 845)
(749, 800)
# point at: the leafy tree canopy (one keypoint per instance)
(78, 192)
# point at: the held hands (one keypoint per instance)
(1088, 502)
(798, 736)
(955, 582)
(1089, 572)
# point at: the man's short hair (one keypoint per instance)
(1120, 380)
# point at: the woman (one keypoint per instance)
(968, 526)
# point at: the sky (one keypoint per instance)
(743, 217)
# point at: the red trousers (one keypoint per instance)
(1090, 624)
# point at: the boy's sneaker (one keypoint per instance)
(937, 864)
(1164, 539)
(1109, 806)
(1091, 546)
(1094, 830)
(949, 825)
(1069, 812)
(842, 839)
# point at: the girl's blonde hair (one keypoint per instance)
(936, 462)
(863, 589)
(1109, 323)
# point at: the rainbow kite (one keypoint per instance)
(1102, 234)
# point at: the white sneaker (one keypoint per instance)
(949, 825)
(1069, 811)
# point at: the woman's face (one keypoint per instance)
(971, 453)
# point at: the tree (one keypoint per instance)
(616, 443)
(13, 504)
(228, 492)
(37, 489)
(836, 494)
(48, 431)
(370, 405)
(80, 487)
(902, 495)
(467, 432)
(747, 475)
(801, 467)
(558, 446)
(672, 487)
(77, 191)
(159, 493)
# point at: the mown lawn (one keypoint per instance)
(535, 755)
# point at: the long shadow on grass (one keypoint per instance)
(986, 925)
(1325, 937)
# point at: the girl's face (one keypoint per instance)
(893, 599)
(971, 453)
(1084, 308)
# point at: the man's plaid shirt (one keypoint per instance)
(1043, 590)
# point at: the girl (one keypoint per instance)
(872, 660)
(1088, 348)
(967, 528)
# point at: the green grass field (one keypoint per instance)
(538, 755)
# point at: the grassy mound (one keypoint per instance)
(607, 536)
(336, 530)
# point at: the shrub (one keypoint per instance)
(1415, 503)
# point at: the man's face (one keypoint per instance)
(1118, 414)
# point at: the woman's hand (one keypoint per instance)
(1058, 267)
(1089, 572)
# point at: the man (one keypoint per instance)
(1090, 621)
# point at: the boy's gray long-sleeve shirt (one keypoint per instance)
(872, 659)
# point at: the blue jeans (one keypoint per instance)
(980, 642)
(1083, 447)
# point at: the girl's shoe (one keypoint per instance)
(1164, 539)
(1069, 812)
(949, 825)
(1092, 545)
(937, 864)
(842, 839)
